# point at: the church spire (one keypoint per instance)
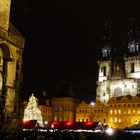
(106, 50)
(133, 40)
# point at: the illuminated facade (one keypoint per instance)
(124, 111)
(118, 85)
(64, 109)
(84, 112)
(11, 49)
(119, 75)
(46, 110)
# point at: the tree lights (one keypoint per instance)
(32, 111)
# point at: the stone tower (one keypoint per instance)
(11, 49)
(117, 76)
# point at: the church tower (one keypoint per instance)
(132, 58)
(104, 68)
(11, 50)
(104, 62)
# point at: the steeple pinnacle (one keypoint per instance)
(106, 50)
(133, 40)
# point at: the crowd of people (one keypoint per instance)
(66, 135)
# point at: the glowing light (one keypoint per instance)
(92, 103)
(110, 131)
(52, 126)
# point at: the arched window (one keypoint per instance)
(103, 70)
(1, 58)
(132, 67)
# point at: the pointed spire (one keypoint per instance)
(106, 50)
(133, 40)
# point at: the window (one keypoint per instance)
(119, 120)
(111, 111)
(129, 112)
(132, 67)
(55, 108)
(115, 111)
(119, 111)
(104, 70)
(115, 120)
(132, 86)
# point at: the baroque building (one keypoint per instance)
(64, 109)
(11, 49)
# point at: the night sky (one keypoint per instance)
(63, 39)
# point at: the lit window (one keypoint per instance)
(55, 118)
(115, 111)
(129, 111)
(119, 111)
(110, 111)
(134, 111)
(138, 111)
(111, 120)
(119, 120)
(115, 120)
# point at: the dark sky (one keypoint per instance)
(63, 39)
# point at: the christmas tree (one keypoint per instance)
(32, 111)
